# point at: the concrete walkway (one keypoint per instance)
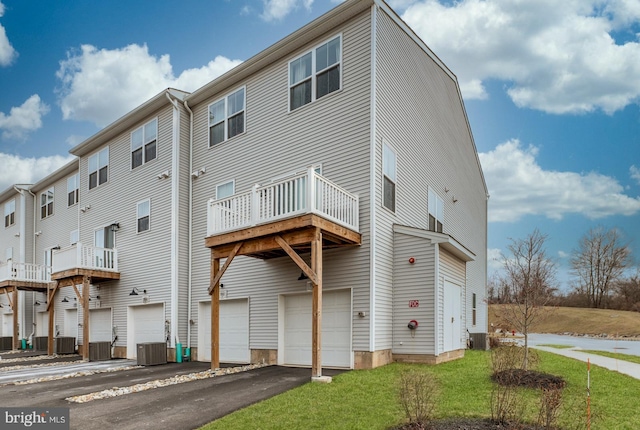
(625, 367)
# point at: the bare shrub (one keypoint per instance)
(550, 403)
(505, 399)
(494, 342)
(417, 394)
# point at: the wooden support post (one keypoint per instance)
(85, 318)
(51, 329)
(214, 290)
(14, 308)
(316, 325)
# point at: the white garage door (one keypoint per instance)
(145, 323)
(234, 331)
(7, 325)
(336, 329)
(71, 323)
(100, 325)
(42, 324)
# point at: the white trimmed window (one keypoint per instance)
(315, 73)
(99, 168)
(10, 213)
(74, 237)
(144, 143)
(144, 215)
(73, 184)
(388, 177)
(225, 190)
(46, 203)
(226, 117)
(436, 211)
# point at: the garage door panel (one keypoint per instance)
(146, 324)
(234, 331)
(100, 325)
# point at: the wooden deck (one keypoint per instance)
(96, 276)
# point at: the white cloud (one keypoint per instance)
(494, 259)
(635, 173)
(7, 53)
(100, 85)
(558, 57)
(20, 170)
(519, 187)
(23, 119)
(275, 10)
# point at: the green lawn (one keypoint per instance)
(367, 399)
(616, 355)
(551, 345)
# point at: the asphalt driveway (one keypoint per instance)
(182, 406)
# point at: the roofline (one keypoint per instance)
(446, 241)
(286, 46)
(66, 170)
(126, 121)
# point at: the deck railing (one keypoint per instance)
(305, 192)
(28, 272)
(79, 256)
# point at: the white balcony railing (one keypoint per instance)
(24, 272)
(79, 256)
(302, 193)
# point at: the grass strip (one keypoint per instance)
(616, 355)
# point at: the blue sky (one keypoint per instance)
(552, 90)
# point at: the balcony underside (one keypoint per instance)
(260, 241)
(97, 276)
(24, 285)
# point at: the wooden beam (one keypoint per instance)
(266, 243)
(85, 317)
(51, 295)
(6, 292)
(316, 323)
(297, 259)
(215, 314)
(226, 265)
(51, 321)
(14, 307)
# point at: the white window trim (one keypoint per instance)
(46, 204)
(101, 228)
(233, 186)
(439, 198)
(73, 233)
(11, 204)
(314, 74)
(384, 175)
(138, 217)
(144, 143)
(226, 116)
(97, 154)
(77, 189)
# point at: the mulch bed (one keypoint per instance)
(463, 424)
(528, 378)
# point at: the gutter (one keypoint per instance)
(190, 223)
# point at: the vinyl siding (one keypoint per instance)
(332, 131)
(414, 282)
(420, 114)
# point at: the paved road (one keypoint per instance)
(7, 374)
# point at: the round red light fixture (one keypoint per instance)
(412, 260)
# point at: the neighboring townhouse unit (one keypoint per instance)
(322, 204)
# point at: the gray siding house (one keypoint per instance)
(322, 204)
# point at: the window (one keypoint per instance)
(388, 177)
(226, 117)
(436, 211)
(73, 183)
(225, 190)
(46, 203)
(99, 168)
(144, 143)
(315, 74)
(144, 212)
(74, 237)
(473, 308)
(10, 213)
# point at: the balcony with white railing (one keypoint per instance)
(12, 272)
(299, 194)
(80, 257)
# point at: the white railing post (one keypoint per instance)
(255, 205)
(311, 190)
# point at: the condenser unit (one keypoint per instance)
(41, 343)
(99, 351)
(152, 353)
(65, 345)
(6, 343)
(479, 341)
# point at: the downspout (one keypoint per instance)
(33, 260)
(372, 187)
(190, 223)
(22, 258)
(175, 218)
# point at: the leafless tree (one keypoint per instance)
(529, 276)
(627, 293)
(598, 263)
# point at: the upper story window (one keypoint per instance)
(315, 73)
(436, 211)
(74, 237)
(73, 185)
(226, 117)
(144, 215)
(99, 168)
(10, 213)
(46, 203)
(144, 143)
(225, 190)
(388, 177)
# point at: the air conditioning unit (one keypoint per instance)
(41, 343)
(65, 345)
(152, 353)
(99, 351)
(6, 343)
(479, 341)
